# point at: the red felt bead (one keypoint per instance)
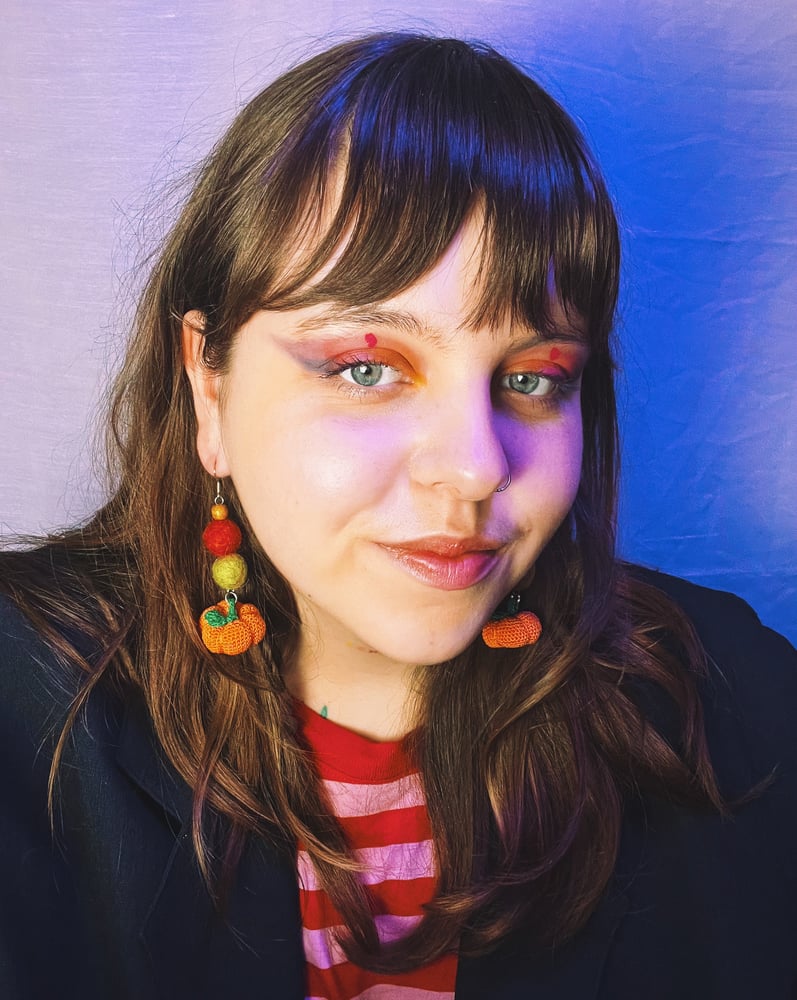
(222, 538)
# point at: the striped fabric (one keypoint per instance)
(377, 795)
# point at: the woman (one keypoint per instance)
(474, 755)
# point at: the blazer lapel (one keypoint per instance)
(140, 756)
(255, 948)
(572, 972)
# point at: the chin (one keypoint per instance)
(423, 652)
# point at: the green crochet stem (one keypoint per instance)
(216, 619)
(508, 608)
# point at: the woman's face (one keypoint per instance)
(367, 445)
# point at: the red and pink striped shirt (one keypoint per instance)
(376, 793)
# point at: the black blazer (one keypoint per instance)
(113, 906)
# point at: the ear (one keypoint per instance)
(206, 389)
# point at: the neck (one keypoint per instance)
(355, 687)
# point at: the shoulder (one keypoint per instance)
(750, 694)
(53, 635)
(720, 617)
(738, 645)
(37, 686)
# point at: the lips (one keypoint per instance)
(446, 562)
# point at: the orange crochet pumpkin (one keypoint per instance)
(231, 628)
(522, 629)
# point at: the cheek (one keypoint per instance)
(573, 447)
(338, 459)
(315, 473)
(549, 458)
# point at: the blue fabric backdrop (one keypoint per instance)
(692, 109)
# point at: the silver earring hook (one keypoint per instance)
(505, 485)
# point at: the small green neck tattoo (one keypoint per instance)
(324, 712)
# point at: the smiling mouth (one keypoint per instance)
(446, 563)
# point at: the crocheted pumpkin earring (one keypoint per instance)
(228, 627)
(511, 628)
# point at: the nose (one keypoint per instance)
(459, 446)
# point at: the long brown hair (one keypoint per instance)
(383, 146)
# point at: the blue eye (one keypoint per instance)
(369, 373)
(529, 384)
(363, 374)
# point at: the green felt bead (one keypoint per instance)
(230, 572)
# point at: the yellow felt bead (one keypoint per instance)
(230, 572)
(219, 512)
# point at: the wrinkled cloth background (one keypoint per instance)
(690, 106)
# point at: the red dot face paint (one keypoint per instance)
(567, 360)
(370, 339)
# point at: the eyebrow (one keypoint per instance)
(412, 325)
(364, 316)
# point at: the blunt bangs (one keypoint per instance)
(402, 144)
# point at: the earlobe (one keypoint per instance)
(205, 388)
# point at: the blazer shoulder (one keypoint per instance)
(750, 694)
(718, 615)
(731, 633)
(37, 685)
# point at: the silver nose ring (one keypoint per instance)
(505, 485)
